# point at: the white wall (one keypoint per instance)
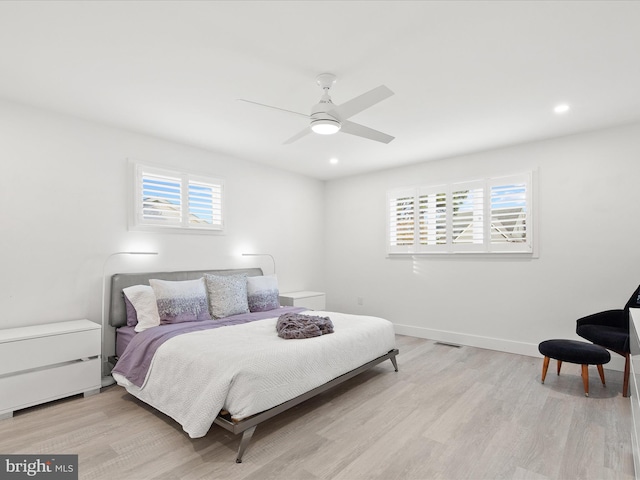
(589, 245)
(63, 210)
(57, 173)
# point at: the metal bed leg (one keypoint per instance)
(394, 361)
(246, 438)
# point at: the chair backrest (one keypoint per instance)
(634, 301)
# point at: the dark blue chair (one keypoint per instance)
(610, 329)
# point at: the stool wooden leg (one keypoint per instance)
(601, 372)
(559, 366)
(585, 379)
(545, 366)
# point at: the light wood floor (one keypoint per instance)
(449, 413)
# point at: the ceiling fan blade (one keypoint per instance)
(365, 132)
(298, 136)
(275, 108)
(362, 102)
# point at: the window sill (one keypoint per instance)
(496, 255)
(181, 230)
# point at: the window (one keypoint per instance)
(484, 216)
(433, 206)
(170, 199)
(509, 212)
(402, 225)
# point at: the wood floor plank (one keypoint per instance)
(449, 413)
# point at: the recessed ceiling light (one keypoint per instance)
(562, 108)
(333, 161)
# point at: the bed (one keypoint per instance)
(235, 371)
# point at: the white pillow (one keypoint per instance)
(262, 293)
(181, 300)
(144, 301)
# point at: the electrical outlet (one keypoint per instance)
(360, 301)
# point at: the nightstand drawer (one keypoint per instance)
(19, 355)
(39, 386)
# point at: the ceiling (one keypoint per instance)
(467, 76)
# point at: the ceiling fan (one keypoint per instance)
(326, 118)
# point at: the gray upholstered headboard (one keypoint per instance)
(117, 309)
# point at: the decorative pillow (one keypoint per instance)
(262, 293)
(143, 301)
(181, 301)
(132, 317)
(227, 294)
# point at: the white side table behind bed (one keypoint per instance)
(310, 300)
(41, 363)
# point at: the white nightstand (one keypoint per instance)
(41, 363)
(310, 300)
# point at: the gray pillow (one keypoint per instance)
(227, 294)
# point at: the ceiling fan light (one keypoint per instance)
(325, 126)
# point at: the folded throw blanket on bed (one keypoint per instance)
(295, 325)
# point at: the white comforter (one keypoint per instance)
(246, 369)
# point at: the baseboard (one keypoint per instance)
(489, 343)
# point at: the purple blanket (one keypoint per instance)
(136, 359)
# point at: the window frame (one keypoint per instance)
(184, 218)
(482, 218)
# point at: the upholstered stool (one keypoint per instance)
(573, 351)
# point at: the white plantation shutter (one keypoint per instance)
(510, 213)
(205, 204)
(433, 213)
(467, 216)
(401, 220)
(490, 216)
(161, 199)
(165, 198)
